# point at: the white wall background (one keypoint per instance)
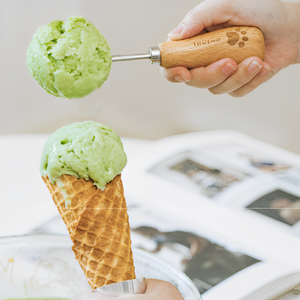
(136, 100)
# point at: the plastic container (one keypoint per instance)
(35, 266)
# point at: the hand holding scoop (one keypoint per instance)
(238, 43)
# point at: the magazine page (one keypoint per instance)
(246, 153)
(220, 168)
(274, 198)
(292, 176)
(287, 288)
(216, 262)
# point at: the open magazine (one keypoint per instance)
(222, 207)
(219, 267)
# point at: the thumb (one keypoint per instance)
(206, 14)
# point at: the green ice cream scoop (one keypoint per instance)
(86, 150)
(70, 59)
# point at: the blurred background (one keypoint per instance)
(136, 101)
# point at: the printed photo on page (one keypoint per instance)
(198, 173)
(205, 261)
(279, 205)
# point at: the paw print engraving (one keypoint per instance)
(234, 37)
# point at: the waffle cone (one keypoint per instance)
(98, 225)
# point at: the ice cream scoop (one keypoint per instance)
(72, 59)
(238, 43)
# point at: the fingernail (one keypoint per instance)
(228, 69)
(264, 71)
(176, 31)
(254, 67)
(180, 78)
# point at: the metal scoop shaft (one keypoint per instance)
(153, 55)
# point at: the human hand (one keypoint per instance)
(156, 289)
(280, 24)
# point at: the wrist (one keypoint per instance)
(293, 12)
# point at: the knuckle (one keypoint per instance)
(169, 78)
(199, 84)
(192, 14)
(215, 91)
(253, 84)
(240, 81)
(235, 94)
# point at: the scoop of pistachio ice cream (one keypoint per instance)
(86, 150)
(70, 59)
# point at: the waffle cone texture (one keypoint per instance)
(98, 225)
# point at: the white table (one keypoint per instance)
(25, 201)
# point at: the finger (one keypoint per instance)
(203, 77)
(247, 70)
(212, 75)
(161, 290)
(206, 14)
(264, 75)
(177, 74)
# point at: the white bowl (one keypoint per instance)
(34, 266)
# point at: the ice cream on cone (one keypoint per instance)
(96, 218)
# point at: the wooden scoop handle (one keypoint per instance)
(238, 43)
